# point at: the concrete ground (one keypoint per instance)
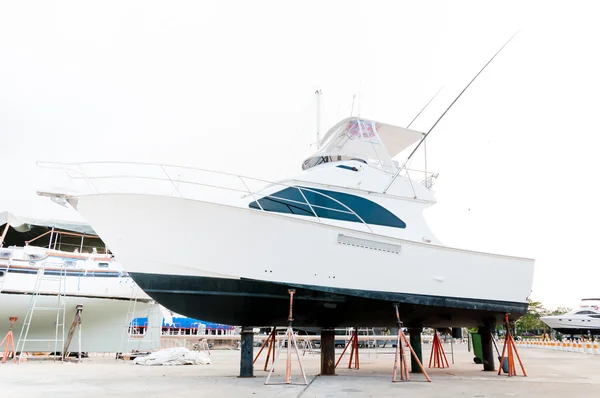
(550, 374)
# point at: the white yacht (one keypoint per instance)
(347, 232)
(583, 320)
(47, 269)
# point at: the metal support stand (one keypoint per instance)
(246, 350)
(289, 339)
(202, 346)
(270, 341)
(438, 356)
(400, 357)
(509, 344)
(452, 349)
(327, 352)
(10, 342)
(76, 322)
(353, 343)
(415, 342)
(489, 363)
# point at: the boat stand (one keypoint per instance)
(76, 322)
(353, 342)
(289, 338)
(509, 345)
(270, 341)
(438, 356)
(307, 346)
(10, 342)
(202, 346)
(400, 357)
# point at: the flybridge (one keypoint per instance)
(365, 140)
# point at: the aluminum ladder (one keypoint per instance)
(45, 279)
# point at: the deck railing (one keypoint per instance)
(187, 182)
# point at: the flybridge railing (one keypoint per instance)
(188, 183)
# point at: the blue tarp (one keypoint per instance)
(183, 323)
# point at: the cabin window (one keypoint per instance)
(584, 312)
(103, 265)
(291, 201)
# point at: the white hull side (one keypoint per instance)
(103, 323)
(571, 322)
(122, 287)
(207, 239)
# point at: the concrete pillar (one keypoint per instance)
(246, 352)
(327, 352)
(487, 348)
(415, 342)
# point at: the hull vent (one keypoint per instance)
(368, 244)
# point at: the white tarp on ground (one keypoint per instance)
(173, 356)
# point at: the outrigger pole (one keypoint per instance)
(425, 107)
(443, 114)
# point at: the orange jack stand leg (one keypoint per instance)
(10, 342)
(270, 341)
(400, 361)
(438, 356)
(353, 344)
(354, 351)
(511, 350)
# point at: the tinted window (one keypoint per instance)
(585, 312)
(290, 200)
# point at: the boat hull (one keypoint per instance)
(259, 303)
(573, 324)
(577, 332)
(108, 307)
(256, 251)
(104, 322)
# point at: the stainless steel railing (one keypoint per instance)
(101, 177)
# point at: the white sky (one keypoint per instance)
(229, 86)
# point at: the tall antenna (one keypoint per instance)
(318, 95)
(443, 114)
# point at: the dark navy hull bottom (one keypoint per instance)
(258, 303)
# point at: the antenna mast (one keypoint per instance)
(443, 114)
(318, 95)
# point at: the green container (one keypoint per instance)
(476, 339)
